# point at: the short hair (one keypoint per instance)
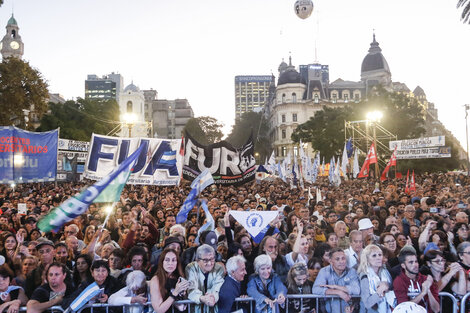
(462, 246)
(355, 233)
(262, 260)
(339, 223)
(118, 253)
(135, 280)
(204, 249)
(334, 250)
(5, 273)
(56, 264)
(100, 263)
(178, 227)
(138, 250)
(405, 253)
(60, 244)
(432, 254)
(232, 263)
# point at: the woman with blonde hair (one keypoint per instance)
(376, 282)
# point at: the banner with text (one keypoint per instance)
(228, 165)
(27, 156)
(160, 163)
(424, 153)
(425, 142)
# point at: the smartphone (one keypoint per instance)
(461, 206)
(433, 210)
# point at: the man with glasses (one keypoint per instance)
(353, 253)
(413, 286)
(206, 278)
(46, 253)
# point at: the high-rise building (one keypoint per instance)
(251, 92)
(11, 44)
(170, 116)
(103, 88)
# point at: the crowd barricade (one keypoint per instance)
(248, 303)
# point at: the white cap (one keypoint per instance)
(365, 223)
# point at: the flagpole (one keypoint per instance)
(109, 210)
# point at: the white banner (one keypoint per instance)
(425, 142)
(424, 153)
(254, 221)
(73, 145)
(160, 163)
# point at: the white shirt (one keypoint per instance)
(352, 257)
(300, 259)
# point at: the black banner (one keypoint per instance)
(228, 165)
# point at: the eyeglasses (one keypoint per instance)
(466, 252)
(207, 261)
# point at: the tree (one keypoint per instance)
(79, 119)
(465, 4)
(247, 123)
(205, 129)
(22, 92)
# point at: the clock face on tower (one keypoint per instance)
(14, 45)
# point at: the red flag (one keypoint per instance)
(370, 159)
(413, 184)
(407, 186)
(391, 162)
(398, 175)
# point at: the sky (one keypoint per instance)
(194, 49)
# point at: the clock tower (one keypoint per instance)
(11, 44)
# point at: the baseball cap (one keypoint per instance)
(44, 242)
(211, 239)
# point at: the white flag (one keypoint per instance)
(344, 162)
(254, 221)
(319, 198)
(356, 168)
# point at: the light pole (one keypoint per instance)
(467, 107)
(375, 117)
(129, 120)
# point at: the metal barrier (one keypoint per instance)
(138, 308)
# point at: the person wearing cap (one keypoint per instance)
(413, 286)
(206, 237)
(206, 277)
(367, 229)
(46, 253)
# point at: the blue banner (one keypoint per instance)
(27, 156)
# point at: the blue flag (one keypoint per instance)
(209, 225)
(199, 184)
(78, 205)
(86, 295)
(349, 148)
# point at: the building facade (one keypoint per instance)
(103, 88)
(169, 117)
(251, 92)
(132, 109)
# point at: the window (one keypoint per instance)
(284, 151)
(334, 97)
(283, 118)
(294, 97)
(284, 134)
(294, 117)
(346, 97)
(129, 106)
(356, 97)
(315, 97)
(283, 98)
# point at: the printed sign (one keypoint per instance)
(160, 163)
(424, 153)
(425, 142)
(228, 165)
(27, 156)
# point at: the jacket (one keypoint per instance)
(196, 277)
(256, 290)
(229, 291)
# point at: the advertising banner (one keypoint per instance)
(160, 163)
(425, 142)
(228, 165)
(27, 156)
(424, 153)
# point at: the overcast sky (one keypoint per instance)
(193, 49)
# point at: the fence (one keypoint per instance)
(249, 304)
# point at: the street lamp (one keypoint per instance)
(467, 107)
(129, 119)
(257, 157)
(374, 117)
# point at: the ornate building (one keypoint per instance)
(131, 106)
(298, 96)
(11, 44)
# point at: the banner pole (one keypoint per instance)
(109, 211)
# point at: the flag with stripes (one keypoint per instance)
(85, 296)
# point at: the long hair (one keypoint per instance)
(296, 270)
(163, 276)
(76, 274)
(364, 265)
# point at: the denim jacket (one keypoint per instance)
(256, 290)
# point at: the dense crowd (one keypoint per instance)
(371, 246)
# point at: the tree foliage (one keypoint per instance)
(79, 119)
(402, 116)
(251, 122)
(205, 129)
(21, 88)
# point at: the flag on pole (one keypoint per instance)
(209, 225)
(391, 162)
(345, 161)
(272, 163)
(254, 221)
(349, 147)
(310, 196)
(319, 197)
(356, 168)
(413, 183)
(84, 297)
(199, 184)
(78, 205)
(316, 167)
(370, 159)
(407, 186)
(337, 174)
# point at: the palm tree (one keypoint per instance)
(465, 17)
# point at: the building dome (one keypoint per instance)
(282, 67)
(374, 60)
(12, 21)
(131, 87)
(290, 76)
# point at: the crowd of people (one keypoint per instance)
(362, 247)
